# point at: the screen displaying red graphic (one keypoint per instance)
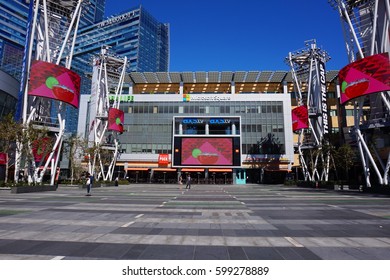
(207, 151)
(41, 148)
(116, 119)
(365, 76)
(55, 82)
(300, 118)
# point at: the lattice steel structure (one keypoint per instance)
(51, 36)
(309, 76)
(108, 77)
(366, 30)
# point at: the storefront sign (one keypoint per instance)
(163, 159)
(123, 98)
(206, 97)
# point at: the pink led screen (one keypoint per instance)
(368, 75)
(207, 151)
(300, 118)
(116, 118)
(54, 81)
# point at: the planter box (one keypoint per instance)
(28, 189)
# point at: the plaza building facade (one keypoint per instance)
(163, 110)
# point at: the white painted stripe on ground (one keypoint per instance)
(128, 224)
(139, 216)
(58, 257)
(293, 241)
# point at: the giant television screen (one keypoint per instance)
(207, 151)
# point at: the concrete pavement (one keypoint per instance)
(147, 221)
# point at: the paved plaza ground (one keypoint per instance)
(208, 222)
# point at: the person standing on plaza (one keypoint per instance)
(188, 182)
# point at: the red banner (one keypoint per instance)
(55, 82)
(300, 118)
(116, 118)
(365, 76)
(3, 158)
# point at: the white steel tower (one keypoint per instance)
(47, 83)
(365, 82)
(105, 118)
(309, 76)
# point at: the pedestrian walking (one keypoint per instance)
(180, 182)
(89, 184)
(116, 181)
(188, 182)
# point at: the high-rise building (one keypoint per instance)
(13, 32)
(13, 21)
(135, 34)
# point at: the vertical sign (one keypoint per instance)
(324, 105)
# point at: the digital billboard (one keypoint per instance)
(365, 76)
(116, 118)
(300, 118)
(207, 151)
(55, 82)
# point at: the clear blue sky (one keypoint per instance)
(242, 35)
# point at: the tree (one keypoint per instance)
(10, 132)
(75, 148)
(345, 158)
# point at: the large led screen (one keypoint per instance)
(54, 81)
(207, 151)
(300, 118)
(115, 119)
(368, 75)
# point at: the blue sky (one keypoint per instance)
(245, 35)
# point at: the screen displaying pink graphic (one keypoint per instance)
(54, 81)
(116, 118)
(300, 118)
(368, 75)
(207, 151)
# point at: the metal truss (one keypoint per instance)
(107, 84)
(308, 72)
(52, 30)
(366, 32)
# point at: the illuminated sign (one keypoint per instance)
(192, 121)
(300, 118)
(116, 118)
(55, 82)
(207, 151)
(163, 159)
(220, 121)
(365, 76)
(123, 98)
(206, 97)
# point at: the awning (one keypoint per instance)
(220, 170)
(165, 169)
(136, 169)
(192, 170)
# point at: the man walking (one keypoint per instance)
(89, 184)
(188, 185)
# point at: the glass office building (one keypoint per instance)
(135, 34)
(253, 107)
(13, 22)
(13, 27)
